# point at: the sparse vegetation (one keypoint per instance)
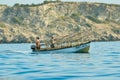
(17, 20)
(17, 4)
(77, 29)
(76, 16)
(51, 1)
(62, 17)
(26, 5)
(88, 25)
(116, 30)
(94, 19)
(2, 25)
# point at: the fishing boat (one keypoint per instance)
(83, 48)
(75, 43)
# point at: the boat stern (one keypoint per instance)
(33, 47)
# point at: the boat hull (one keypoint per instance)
(84, 48)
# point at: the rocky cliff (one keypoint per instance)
(22, 23)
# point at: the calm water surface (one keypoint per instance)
(102, 63)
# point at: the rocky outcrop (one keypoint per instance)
(22, 23)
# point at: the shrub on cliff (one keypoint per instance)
(76, 17)
(2, 25)
(17, 20)
(94, 19)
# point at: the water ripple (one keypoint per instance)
(102, 63)
(27, 72)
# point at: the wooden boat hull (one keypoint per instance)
(84, 48)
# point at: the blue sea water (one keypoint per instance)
(101, 63)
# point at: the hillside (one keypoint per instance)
(22, 23)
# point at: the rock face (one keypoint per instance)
(22, 23)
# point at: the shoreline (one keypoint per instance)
(34, 42)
